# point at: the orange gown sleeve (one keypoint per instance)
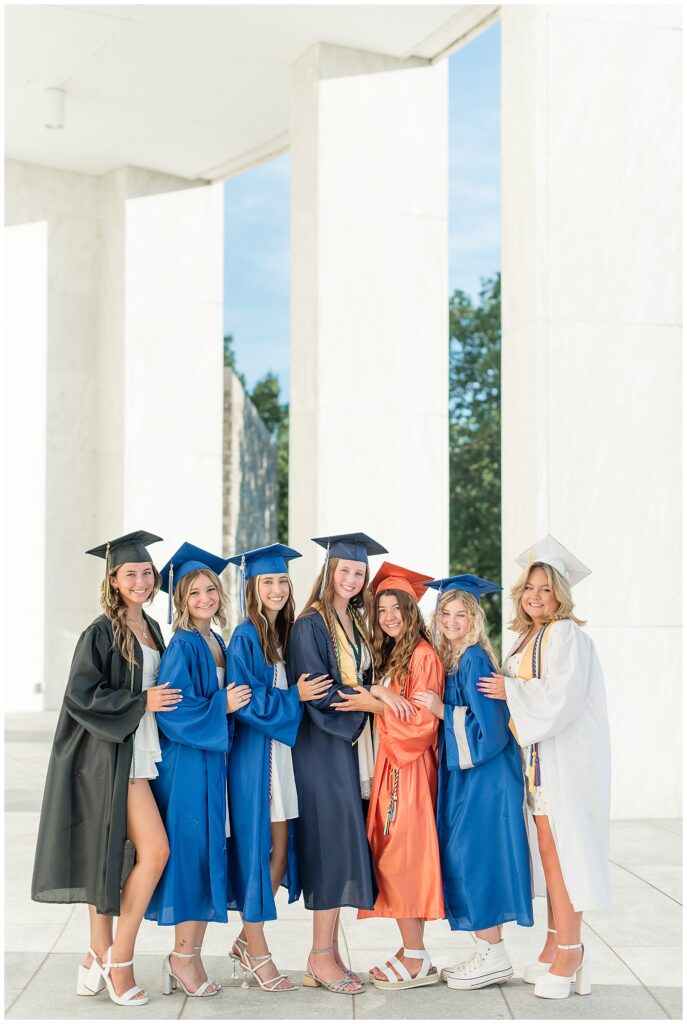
(404, 742)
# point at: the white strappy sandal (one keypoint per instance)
(170, 979)
(427, 975)
(539, 967)
(211, 981)
(89, 980)
(128, 998)
(252, 964)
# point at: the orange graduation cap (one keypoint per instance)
(395, 577)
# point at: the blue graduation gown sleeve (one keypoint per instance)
(198, 721)
(477, 731)
(309, 653)
(272, 712)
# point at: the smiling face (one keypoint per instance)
(135, 582)
(202, 600)
(454, 620)
(389, 615)
(348, 578)
(537, 599)
(274, 591)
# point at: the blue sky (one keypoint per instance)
(256, 219)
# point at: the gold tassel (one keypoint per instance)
(107, 574)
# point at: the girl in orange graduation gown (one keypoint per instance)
(401, 824)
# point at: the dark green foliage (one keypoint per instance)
(230, 358)
(275, 415)
(475, 439)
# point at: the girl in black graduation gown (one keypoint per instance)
(100, 833)
(329, 638)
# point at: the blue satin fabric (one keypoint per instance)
(191, 788)
(485, 862)
(272, 714)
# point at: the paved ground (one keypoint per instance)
(635, 951)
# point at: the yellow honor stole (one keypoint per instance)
(531, 667)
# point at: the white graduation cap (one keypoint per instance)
(551, 552)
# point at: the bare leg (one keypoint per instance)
(323, 964)
(147, 833)
(278, 858)
(101, 934)
(491, 935)
(412, 933)
(201, 928)
(551, 944)
(187, 936)
(568, 922)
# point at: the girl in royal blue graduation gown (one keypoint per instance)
(480, 819)
(261, 852)
(191, 790)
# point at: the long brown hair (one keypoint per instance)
(359, 607)
(273, 639)
(115, 607)
(560, 588)
(476, 634)
(182, 618)
(392, 657)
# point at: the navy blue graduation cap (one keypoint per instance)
(186, 559)
(474, 585)
(260, 562)
(353, 546)
(129, 548)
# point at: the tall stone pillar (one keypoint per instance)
(369, 330)
(591, 348)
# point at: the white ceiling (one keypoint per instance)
(184, 89)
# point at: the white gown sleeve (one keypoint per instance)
(542, 708)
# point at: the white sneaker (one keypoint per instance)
(488, 965)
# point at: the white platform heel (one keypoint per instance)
(539, 967)
(89, 980)
(556, 986)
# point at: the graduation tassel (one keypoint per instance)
(324, 571)
(107, 573)
(391, 812)
(242, 587)
(170, 589)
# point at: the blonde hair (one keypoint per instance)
(182, 618)
(359, 607)
(115, 607)
(272, 639)
(476, 634)
(392, 657)
(521, 621)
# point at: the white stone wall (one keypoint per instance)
(591, 119)
(369, 349)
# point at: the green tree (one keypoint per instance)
(275, 415)
(230, 358)
(475, 439)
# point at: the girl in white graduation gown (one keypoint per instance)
(555, 691)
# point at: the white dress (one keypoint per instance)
(565, 712)
(536, 800)
(227, 828)
(284, 797)
(146, 752)
(367, 750)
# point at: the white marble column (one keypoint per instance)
(591, 348)
(369, 333)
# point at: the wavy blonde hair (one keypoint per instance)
(476, 634)
(115, 607)
(392, 657)
(182, 618)
(521, 622)
(273, 639)
(359, 607)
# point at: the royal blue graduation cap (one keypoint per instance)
(260, 562)
(474, 585)
(186, 559)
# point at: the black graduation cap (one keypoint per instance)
(129, 548)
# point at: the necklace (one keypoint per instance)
(135, 625)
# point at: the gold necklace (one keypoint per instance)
(134, 626)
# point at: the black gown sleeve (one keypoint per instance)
(310, 652)
(105, 712)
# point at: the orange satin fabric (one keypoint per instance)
(407, 860)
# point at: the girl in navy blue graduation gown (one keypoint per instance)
(261, 852)
(480, 818)
(191, 789)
